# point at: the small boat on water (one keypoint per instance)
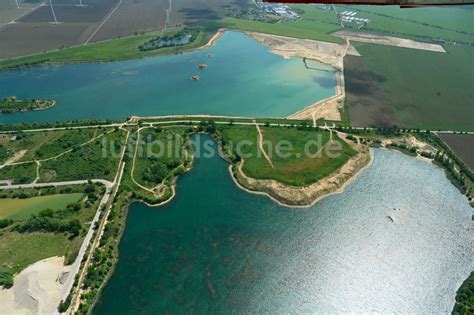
(195, 78)
(202, 66)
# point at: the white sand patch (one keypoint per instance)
(18, 155)
(388, 41)
(36, 290)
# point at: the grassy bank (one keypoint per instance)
(110, 50)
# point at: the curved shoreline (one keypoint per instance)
(53, 103)
(308, 195)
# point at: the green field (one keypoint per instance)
(98, 159)
(426, 90)
(426, 23)
(110, 50)
(296, 169)
(310, 12)
(302, 29)
(47, 144)
(19, 209)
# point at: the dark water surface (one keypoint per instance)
(216, 248)
(242, 78)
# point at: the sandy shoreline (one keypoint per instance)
(328, 53)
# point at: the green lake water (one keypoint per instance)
(218, 249)
(242, 78)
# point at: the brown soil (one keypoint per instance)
(368, 106)
(462, 145)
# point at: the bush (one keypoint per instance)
(6, 279)
(5, 222)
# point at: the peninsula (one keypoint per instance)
(13, 105)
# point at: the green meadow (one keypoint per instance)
(427, 23)
(426, 90)
(294, 167)
(302, 29)
(19, 209)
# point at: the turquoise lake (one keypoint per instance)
(218, 249)
(242, 78)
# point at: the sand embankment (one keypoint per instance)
(388, 40)
(36, 290)
(328, 53)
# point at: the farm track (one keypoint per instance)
(260, 145)
(103, 22)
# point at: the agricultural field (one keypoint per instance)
(53, 228)
(67, 11)
(296, 169)
(426, 23)
(367, 103)
(9, 11)
(19, 209)
(34, 32)
(426, 90)
(134, 16)
(462, 146)
(33, 38)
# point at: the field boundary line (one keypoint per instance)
(103, 22)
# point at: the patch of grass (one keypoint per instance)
(110, 50)
(304, 29)
(65, 141)
(292, 166)
(310, 12)
(417, 98)
(19, 250)
(160, 153)
(18, 209)
(43, 145)
(428, 23)
(19, 174)
(98, 159)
